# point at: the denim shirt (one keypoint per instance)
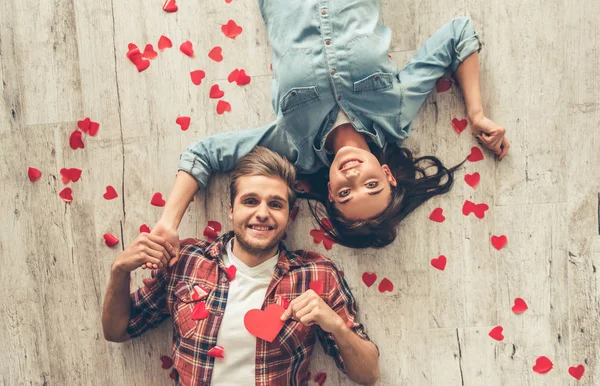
(327, 55)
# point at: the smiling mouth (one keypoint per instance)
(261, 228)
(350, 163)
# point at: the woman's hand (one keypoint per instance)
(171, 235)
(146, 250)
(490, 135)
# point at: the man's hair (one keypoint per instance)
(264, 162)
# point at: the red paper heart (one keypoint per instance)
(167, 362)
(265, 324)
(34, 174)
(319, 235)
(110, 240)
(317, 286)
(110, 194)
(478, 209)
(326, 224)
(496, 333)
(200, 312)
(68, 175)
(437, 215)
(183, 122)
(135, 56)
(211, 233)
(542, 365)
(216, 352)
(94, 127)
(459, 125)
(476, 154)
(283, 302)
(197, 76)
(169, 6)
(519, 306)
(231, 30)
(320, 378)
(199, 293)
(76, 141)
(216, 54)
(222, 107)
(173, 374)
(144, 228)
(164, 43)
(66, 194)
(149, 52)
(473, 179)
(84, 125)
(215, 225)
(216, 92)
(369, 278)
(231, 270)
(499, 241)
(443, 84)
(242, 79)
(187, 48)
(157, 200)
(439, 263)
(385, 285)
(577, 372)
(233, 75)
(294, 212)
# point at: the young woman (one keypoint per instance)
(342, 104)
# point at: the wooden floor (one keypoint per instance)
(64, 60)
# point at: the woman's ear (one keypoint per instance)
(390, 177)
(329, 196)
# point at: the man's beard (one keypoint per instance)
(256, 250)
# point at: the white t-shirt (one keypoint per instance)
(246, 291)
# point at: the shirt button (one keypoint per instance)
(293, 93)
(328, 42)
(223, 279)
(340, 98)
(323, 12)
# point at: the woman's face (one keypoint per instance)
(359, 186)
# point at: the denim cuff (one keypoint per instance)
(194, 166)
(465, 48)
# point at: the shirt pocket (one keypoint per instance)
(379, 81)
(296, 79)
(298, 97)
(295, 336)
(182, 310)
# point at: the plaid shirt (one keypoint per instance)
(285, 361)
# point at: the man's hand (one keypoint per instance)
(310, 309)
(491, 135)
(147, 249)
(171, 236)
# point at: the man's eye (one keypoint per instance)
(344, 192)
(275, 204)
(372, 184)
(250, 201)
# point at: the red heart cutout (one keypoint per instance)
(84, 125)
(369, 278)
(459, 125)
(231, 30)
(68, 175)
(233, 75)
(183, 122)
(216, 352)
(110, 240)
(110, 193)
(149, 52)
(437, 215)
(216, 54)
(169, 6)
(499, 241)
(173, 374)
(283, 302)
(164, 43)
(66, 194)
(294, 212)
(265, 324)
(443, 84)
(215, 225)
(519, 306)
(439, 263)
(34, 174)
(135, 56)
(200, 312)
(199, 293)
(576, 372)
(167, 362)
(231, 270)
(242, 78)
(317, 286)
(210, 233)
(216, 92)
(476, 154)
(319, 235)
(478, 209)
(542, 365)
(223, 106)
(76, 141)
(197, 76)
(187, 48)
(385, 285)
(157, 200)
(320, 378)
(94, 127)
(496, 333)
(473, 179)
(144, 228)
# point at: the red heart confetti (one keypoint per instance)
(216, 92)
(216, 54)
(197, 76)
(294, 212)
(34, 174)
(173, 374)
(473, 179)
(242, 79)
(199, 293)
(144, 228)
(437, 215)
(228, 1)
(265, 324)
(135, 56)
(385, 285)
(183, 122)
(216, 352)
(369, 278)
(157, 200)
(283, 302)
(320, 378)
(164, 43)
(231, 270)
(476, 154)
(187, 48)
(68, 175)
(233, 75)
(94, 127)
(231, 29)
(66, 194)
(443, 84)
(542, 365)
(222, 107)
(84, 125)
(200, 312)
(211, 231)
(459, 125)
(167, 362)
(439, 263)
(76, 141)
(110, 193)
(215, 225)
(519, 306)
(110, 240)
(149, 52)
(577, 372)
(317, 286)
(169, 6)
(496, 333)
(478, 209)
(319, 235)
(499, 241)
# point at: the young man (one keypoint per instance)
(212, 287)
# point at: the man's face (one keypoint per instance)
(260, 213)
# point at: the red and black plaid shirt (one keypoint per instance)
(285, 361)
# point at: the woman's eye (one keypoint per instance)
(344, 192)
(372, 184)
